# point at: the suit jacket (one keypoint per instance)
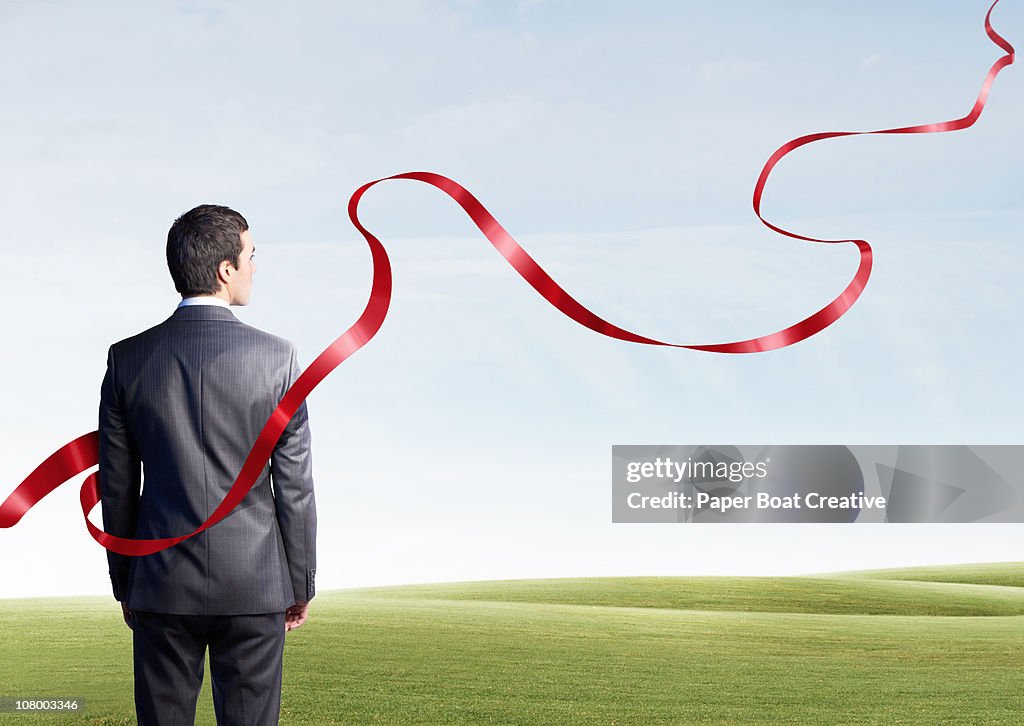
(186, 400)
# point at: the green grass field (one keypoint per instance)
(919, 646)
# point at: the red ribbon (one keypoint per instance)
(83, 453)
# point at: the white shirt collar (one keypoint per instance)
(203, 300)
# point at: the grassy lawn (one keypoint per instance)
(924, 646)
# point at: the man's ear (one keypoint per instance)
(224, 271)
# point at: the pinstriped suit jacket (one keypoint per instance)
(184, 402)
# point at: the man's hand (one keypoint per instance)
(129, 616)
(296, 615)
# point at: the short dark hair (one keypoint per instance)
(198, 241)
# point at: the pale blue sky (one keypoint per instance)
(472, 438)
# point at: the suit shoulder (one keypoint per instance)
(160, 330)
(274, 342)
(142, 346)
(141, 338)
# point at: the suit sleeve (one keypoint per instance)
(120, 476)
(291, 467)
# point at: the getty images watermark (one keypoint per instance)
(817, 483)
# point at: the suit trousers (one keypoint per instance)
(245, 667)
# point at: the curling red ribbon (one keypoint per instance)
(83, 453)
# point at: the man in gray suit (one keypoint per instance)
(185, 401)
